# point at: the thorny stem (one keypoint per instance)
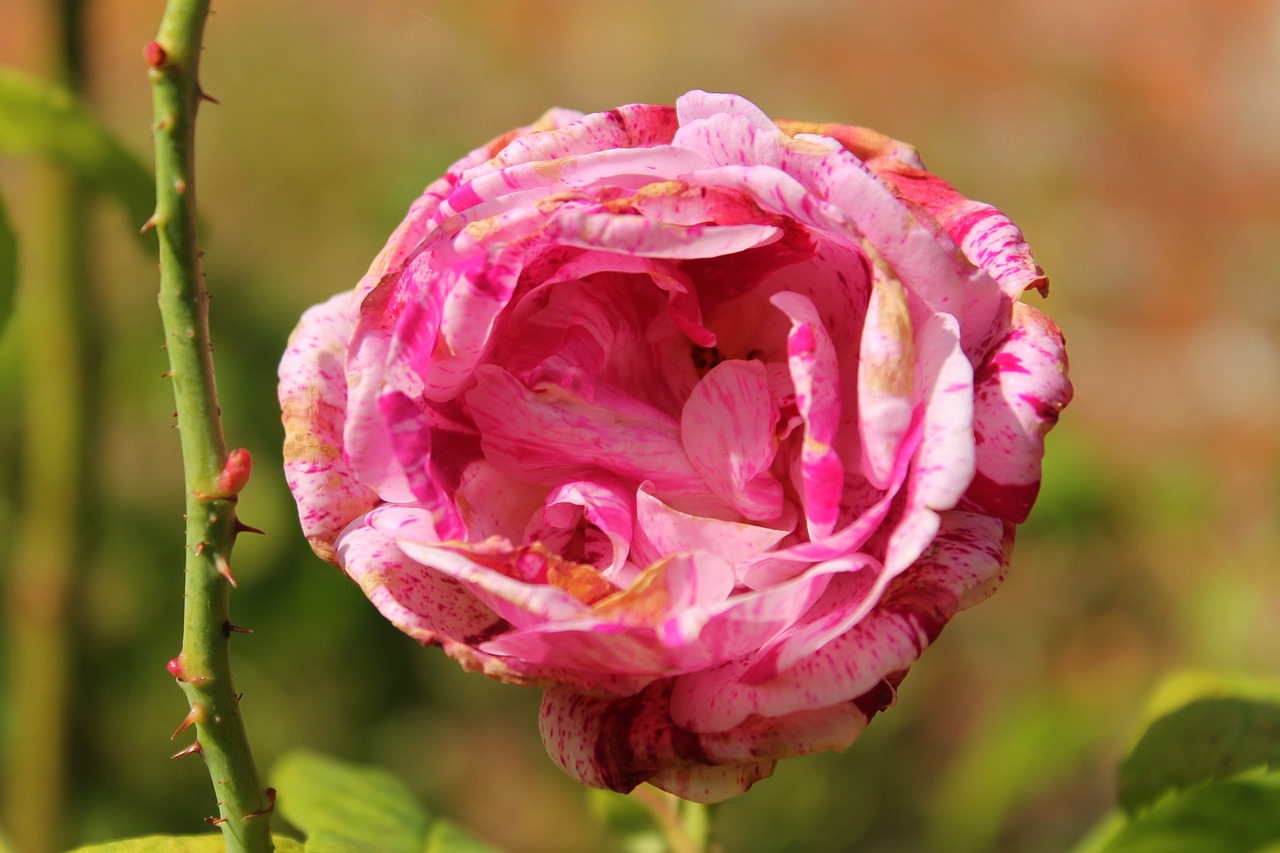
(212, 478)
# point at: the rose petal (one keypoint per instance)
(547, 435)
(968, 554)
(816, 375)
(727, 430)
(1018, 394)
(313, 398)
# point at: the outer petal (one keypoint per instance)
(983, 233)
(313, 400)
(619, 743)
(1018, 394)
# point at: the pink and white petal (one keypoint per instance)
(1018, 394)
(682, 297)
(727, 427)
(968, 557)
(547, 435)
(605, 505)
(518, 602)
(987, 237)
(630, 234)
(662, 530)
(944, 464)
(630, 126)
(815, 375)
(886, 376)
(424, 603)
(313, 399)
(492, 503)
(869, 146)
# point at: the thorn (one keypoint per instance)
(155, 54)
(194, 749)
(175, 667)
(228, 629)
(241, 527)
(200, 546)
(215, 820)
(168, 374)
(224, 568)
(239, 696)
(205, 96)
(148, 225)
(180, 186)
(193, 716)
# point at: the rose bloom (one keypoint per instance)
(704, 423)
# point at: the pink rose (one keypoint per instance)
(706, 424)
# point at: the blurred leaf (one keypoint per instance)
(628, 820)
(1019, 753)
(1238, 816)
(1184, 687)
(363, 807)
(447, 837)
(1206, 740)
(39, 118)
(207, 843)
(8, 268)
(327, 842)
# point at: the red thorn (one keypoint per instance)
(228, 628)
(194, 749)
(148, 225)
(200, 546)
(270, 794)
(215, 820)
(193, 716)
(156, 56)
(241, 527)
(224, 568)
(235, 473)
(168, 374)
(175, 667)
(205, 96)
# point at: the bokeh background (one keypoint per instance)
(1135, 143)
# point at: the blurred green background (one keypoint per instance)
(1135, 143)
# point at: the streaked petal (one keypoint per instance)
(727, 430)
(815, 374)
(313, 401)
(1018, 394)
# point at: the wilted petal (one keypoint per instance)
(313, 399)
(886, 377)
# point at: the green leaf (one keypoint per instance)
(207, 843)
(8, 268)
(357, 805)
(327, 842)
(39, 118)
(447, 837)
(1241, 815)
(1205, 740)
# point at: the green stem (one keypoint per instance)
(53, 326)
(203, 668)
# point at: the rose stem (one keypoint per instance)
(52, 322)
(203, 668)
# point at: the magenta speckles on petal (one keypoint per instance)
(704, 423)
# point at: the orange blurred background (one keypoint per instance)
(1135, 143)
